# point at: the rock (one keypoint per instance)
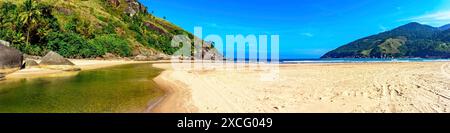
(130, 11)
(135, 52)
(154, 27)
(4, 43)
(140, 58)
(145, 58)
(56, 62)
(30, 63)
(114, 3)
(134, 7)
(10, 58)
(109, 56)
(53, 58)
(163, 57)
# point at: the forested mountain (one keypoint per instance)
(408, 41)
(87, 28)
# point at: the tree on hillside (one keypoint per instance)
(29, 17)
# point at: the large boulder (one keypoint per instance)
(53, 58)
(56, 62)
(10, 58)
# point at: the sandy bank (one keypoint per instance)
(84, 64)
(356, 87)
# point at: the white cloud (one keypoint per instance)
(307, 34)
(436, 19)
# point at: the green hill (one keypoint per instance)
(87, 28)
(408, 41)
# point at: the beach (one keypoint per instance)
(334, 87)
(309, 87)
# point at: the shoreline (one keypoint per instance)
(175, 99)
(306, 87)
(325, 87)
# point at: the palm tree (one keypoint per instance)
(29, 17)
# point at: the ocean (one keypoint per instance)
(359, 60)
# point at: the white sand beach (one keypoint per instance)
(354, 87)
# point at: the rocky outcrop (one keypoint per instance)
(163, 57)
(134, 7)
(53, 58)
(114, 3)
(154, 27)
(145, 58)
(56, 62)
(10, 58)
(109, 56)
(207, 52)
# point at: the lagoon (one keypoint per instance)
(126, 88)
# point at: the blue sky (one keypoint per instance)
(307, 28)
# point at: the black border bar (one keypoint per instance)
(280, 121)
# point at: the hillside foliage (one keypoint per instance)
(412, 40)
(85, 28)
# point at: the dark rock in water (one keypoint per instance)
(30, 63)
(53, 58)
(10, 57)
